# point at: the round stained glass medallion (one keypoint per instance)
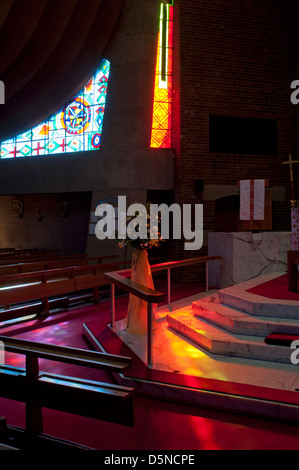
(76, 116)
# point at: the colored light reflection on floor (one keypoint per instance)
(171, 351)
(58, 334)
(205, 431)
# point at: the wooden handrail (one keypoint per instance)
(90, 398)
(79, 357)
(149, 295)
(175, 264)
(144, 293)
(185, 262)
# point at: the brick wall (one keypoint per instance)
(232, 58)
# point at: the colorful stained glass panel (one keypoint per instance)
(76, 127)
(162, 103)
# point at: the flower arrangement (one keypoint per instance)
(294, 203)
(145, 242)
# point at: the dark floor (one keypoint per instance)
(160, 425)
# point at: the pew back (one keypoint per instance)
(45, 264)
(88, 398)
(36, 285)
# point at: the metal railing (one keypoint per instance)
(142, 292)
(151, 296)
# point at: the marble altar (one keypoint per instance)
(246, 255)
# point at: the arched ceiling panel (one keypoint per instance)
(18, 28)
(43, 42)
(65, 46)
(6, 6)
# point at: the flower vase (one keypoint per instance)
(136, 319)
(295, 228)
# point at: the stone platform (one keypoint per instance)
(235, 322)
(212, 354)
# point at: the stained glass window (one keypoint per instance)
(74, 128)
(162, 104)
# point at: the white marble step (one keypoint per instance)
(236, 321)
(257, 305)
(220, 342)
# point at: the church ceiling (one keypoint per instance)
(49, 49)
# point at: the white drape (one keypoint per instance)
(252, 200)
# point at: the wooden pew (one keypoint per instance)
(39, 257)
(93, 399)
(41, 285)
(18, 251)
(27, 267)
(28, 254)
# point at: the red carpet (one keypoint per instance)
(275, 289)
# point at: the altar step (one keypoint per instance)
(236, 321)
(238, 298)
(220, 342)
